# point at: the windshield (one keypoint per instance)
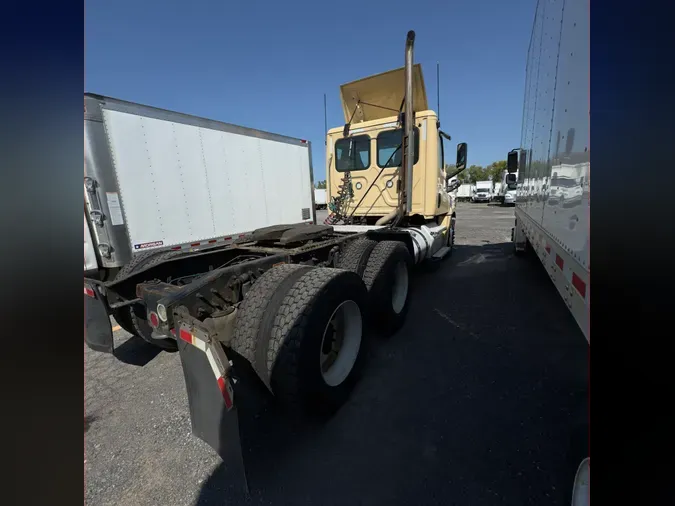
(481, 190)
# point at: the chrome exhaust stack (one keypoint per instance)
(406, 179)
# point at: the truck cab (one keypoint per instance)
(366, 153)
(483, 191)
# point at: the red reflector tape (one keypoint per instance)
(185, 336)
(212, 241)
(559, 261)
(175, 248)
(242, 235)
(224, 386)
(579, 285)
(89, 292)
(173, 332)
(195, 244)
(227, 238)
(548, 249)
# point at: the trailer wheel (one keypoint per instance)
(123, 318)
(130, 319)
(255, 316)
(387, 278)
(316, 343)
(355, 256)
(143, 261)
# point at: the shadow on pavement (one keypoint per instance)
(135, 351)
(473, 402)
(88, 420)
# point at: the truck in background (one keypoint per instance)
(320, 198)
(285, 304)
(464, 192)
(552, 165)
(497, 192)
(508, 189)
(483, 192)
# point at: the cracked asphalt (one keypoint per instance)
(473, 402)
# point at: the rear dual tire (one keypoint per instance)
(302, 330)
(387, 278)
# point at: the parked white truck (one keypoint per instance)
(464, 192)
(320, 198)
(555, 147)
(182, 250)
(483, 192)
(508, 188)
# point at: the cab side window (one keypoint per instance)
(390, 149)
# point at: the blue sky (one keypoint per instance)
(266, 65)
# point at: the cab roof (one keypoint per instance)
(385, 122)
(380, 96)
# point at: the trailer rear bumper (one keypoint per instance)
(98, 334)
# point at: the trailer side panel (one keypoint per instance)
(553, 196)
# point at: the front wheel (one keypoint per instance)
(451, 237)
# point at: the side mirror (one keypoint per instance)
(345, 130)
(461, 156)
(512, 161)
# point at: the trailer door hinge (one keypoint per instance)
(97, 217)
(90, 184)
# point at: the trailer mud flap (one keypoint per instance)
(98, 334)
(212, 422)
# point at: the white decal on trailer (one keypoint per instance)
(114, 208)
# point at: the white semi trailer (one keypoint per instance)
(464, 192)
(320, 198)
(553, 168)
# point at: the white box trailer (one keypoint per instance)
(159, 185)
(464, 192)
(483, 192)
(320, 198)
(162, 180)
(553, 169)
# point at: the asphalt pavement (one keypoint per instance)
(473, 402)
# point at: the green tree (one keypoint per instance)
(476, 173)
(496, 170)
(321, 185)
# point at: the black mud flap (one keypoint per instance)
(211, 421)
(98, 332)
